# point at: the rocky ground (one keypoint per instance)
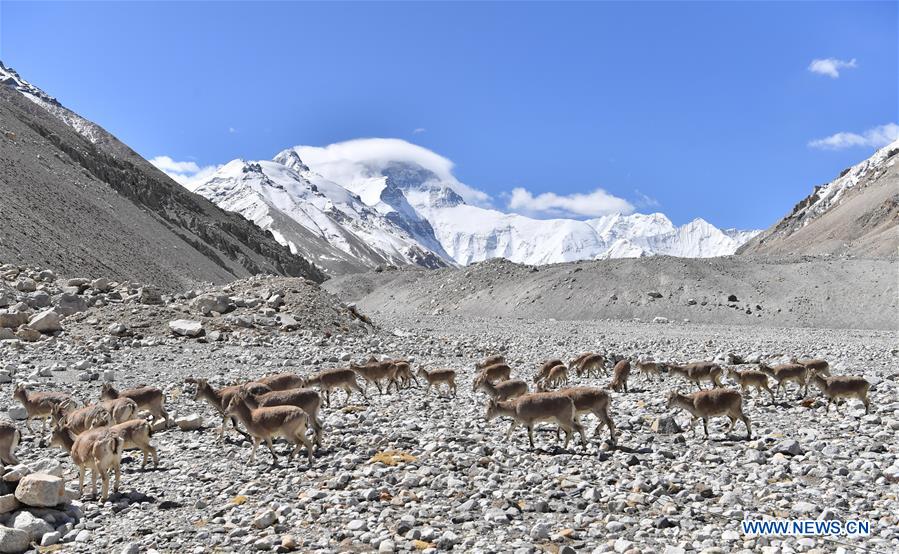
(409, 471)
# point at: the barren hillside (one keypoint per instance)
(801, 292)
(74, 198)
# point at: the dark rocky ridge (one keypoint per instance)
(99, 208)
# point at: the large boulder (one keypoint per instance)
(13, 541)
(28, 334)
(38, 299)
(186, 328)
(26, 285)
(41, 490)
(69, 304)
(101, 284)
(12, 320)
(46, 321)
(34, 526)
(209, 303)
(149, 295)
(8, 503)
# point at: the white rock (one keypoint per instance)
(13, 541)
(41, 490)
(51, 538)
(540, 531)
(34, 526)
(190, 422)
(803, 507)
(46, 321)
(186, 327)
(264, 519)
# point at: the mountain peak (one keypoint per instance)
(290, 158)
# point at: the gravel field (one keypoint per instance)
(450, 480)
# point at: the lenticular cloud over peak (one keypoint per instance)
(367, 157)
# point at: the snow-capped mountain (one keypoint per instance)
(470, 233)
(411, 211)
(313, 215)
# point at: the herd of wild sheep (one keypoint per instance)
(286, 405)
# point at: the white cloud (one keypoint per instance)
(232, 130)
(188, 174)
(593, 204)
(645, 201)
(872, 138)
(418, 130)
(830, 66)
(358, 159)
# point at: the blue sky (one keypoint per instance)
(707, 109)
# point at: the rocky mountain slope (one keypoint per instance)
(401, 212)
(74, 198)
(727, 290)
(855, 214)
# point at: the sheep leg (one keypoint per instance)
(305, 442)
(567, 428)
(512, 427)
(705, 425)
(117, 468)
(253, 452)
(531, 436)
(271, 448)
(104, 478)
(580, 429)
(94, 471)
(733, 421)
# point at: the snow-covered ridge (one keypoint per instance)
(829, 195)
(410, 214)
(87, 129)
(294, 203)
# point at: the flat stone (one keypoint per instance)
(186, 327)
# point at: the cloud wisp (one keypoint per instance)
(831, 66)
(577, 205)
(874, 137)
(355, 160)
(189, 174)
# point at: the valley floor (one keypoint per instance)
(463, 486)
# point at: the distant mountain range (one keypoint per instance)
(404, 213)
